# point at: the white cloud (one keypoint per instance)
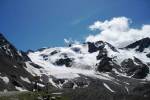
(118, 32)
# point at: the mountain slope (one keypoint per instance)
(13, 73)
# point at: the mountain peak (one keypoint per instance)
(2, 39)
(99, 45)
(140, 45)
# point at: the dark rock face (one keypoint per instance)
(41, 49)
(127, 64)
(66, 61)
(45, 57)
(68, 85)
(141, 72)
(142, 89)
(54, 52)
(25, 57)
(135, 68)
(28, 51)
(105, 65)
(99, 46)
(93, 47)
(148, 55)
(81, 82)
(58, 81)
(7, 49)
(102, 54)
(143, 43)
(35, 65)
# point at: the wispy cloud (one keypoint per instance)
(83, 18)
(77, 21)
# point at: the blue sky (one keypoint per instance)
(32, 24)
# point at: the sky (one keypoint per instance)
(32, 24)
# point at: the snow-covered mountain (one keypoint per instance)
(88, 65)
(92, 58)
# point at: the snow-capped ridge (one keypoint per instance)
(140, 45)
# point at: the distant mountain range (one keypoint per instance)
(92, 65)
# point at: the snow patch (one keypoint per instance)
(108, 87)
(20, 89)
(5, 79)
(15, 66)
(25, 79)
